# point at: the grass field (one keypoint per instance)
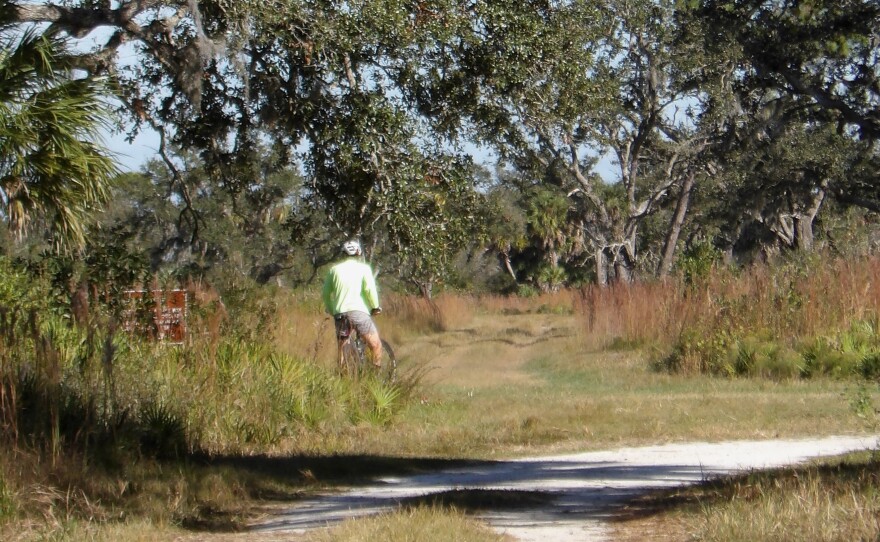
(496, 378)
(512, 382)
(507, 385)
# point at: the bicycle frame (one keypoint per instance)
(354, 351)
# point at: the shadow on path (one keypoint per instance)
(339, 470)
(543, 491)
(558, 498)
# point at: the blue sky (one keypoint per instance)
(131, 156)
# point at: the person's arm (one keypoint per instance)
(371, 292)
(327, 293)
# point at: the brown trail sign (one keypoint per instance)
(161, 315)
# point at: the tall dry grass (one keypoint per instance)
(301, 328)
(794, 301)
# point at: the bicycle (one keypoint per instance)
(354, 353)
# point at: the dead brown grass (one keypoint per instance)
(302, 329)
(801, 299)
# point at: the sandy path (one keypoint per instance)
(562, 498)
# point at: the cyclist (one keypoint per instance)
(350, 293)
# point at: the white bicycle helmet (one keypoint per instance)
(352, 248)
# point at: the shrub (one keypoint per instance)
(695, 353)
(828, 362)
(779, 363)
(162, 432)
(697, 262)
(870, 366)
(527, 291)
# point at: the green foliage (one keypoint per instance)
(843, 355)
(848, 352)
(192, 226)
(550, 278)
(430, 214)
(870, 366)
(810, 50)
(384, 398)
(376, 102)
(697, 261)
(19, 289)
(696, 352)
(527, 290)
(165, 403)
(754, 356)
(162, 432)
(828, 362)
(49, 120)
(83, 389)
(862, 402)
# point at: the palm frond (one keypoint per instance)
(50, 120)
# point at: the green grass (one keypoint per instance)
(573, 400)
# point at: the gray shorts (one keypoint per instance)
(359, 319)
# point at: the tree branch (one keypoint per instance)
(78, 22)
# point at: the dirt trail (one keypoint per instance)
(489, 350)
(560, 498)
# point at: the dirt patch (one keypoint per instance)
(494, 356)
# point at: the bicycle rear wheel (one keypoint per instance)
(352, 358)
(355, 360)
(389, 362)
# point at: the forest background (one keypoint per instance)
(636, 144)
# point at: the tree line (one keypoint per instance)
(625, 138)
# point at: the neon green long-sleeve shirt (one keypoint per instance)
(350, 286)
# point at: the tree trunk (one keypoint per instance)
(601, 267)
(803, 233)
(505, 262)
(624, 262)
(681, 209)
(803, 222)
(426, 288)
(623, 270)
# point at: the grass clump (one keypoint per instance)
(838, 500)
(729, 353)
(411, 524)
(834, 502)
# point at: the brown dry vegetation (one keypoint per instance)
(802, 299)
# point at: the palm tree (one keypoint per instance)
(546, 213)
(50, 118)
